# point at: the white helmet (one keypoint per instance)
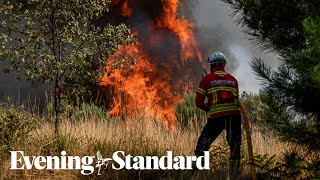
(217, 57)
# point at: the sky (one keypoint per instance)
(216, 14)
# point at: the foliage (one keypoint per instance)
(290, 165)
(275, 25)
(272, 117)
(85, 111)
(15, 126)
(291, 91)
(187, 112)
(253, 104)
(266, 112)
(145, 137)
(79, 111)
(48, 39)
(314, 167)
(83, 83)
(54, 145)
(284, 87)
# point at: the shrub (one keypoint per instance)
(15, 126)
(290, 165)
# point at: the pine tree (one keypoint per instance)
(291, 93)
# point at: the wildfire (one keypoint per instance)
(126, 10)
(153, 85)
(182, 28)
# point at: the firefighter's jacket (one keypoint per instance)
(221, 90)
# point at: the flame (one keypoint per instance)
(151, 87)
(126, 10)
(181, 27)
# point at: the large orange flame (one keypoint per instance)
(182, 28)
(146, 87)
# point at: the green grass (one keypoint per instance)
(187, 113)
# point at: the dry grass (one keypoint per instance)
(86, 129)
(136, 136)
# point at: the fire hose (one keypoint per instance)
(248, 135)
(249, 142)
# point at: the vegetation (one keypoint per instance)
(15, 126)
(59, 41)
(56, 40)
(291, 92)
(275, 25)
(91, 131)
(187, 113)
(49, 39)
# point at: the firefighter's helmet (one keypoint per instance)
(217, 57)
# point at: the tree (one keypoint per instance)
(252, 104)
(48, 40)
(291, 29)
(274, 25)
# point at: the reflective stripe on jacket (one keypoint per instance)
(221, 90)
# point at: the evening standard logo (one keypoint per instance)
(118, 161)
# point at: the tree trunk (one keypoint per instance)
(57, 100)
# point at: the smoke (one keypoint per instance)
(214, 30)
(217, 31)
(20, 92)
(30, 94)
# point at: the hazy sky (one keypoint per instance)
(214, 13)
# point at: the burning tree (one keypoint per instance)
(49, 40)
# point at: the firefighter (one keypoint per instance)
(220, 91)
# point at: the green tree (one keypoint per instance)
(292, 91)
(274, 25)
(267, 113)
(48, 40)
(252, 103)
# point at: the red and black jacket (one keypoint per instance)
(221, 90)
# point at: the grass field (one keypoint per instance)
(86, 133)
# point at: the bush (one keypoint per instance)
(15, 126)
(290, 165)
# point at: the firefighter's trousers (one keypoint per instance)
(213, 128)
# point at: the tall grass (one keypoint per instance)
(187, 112)
(86, 129)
